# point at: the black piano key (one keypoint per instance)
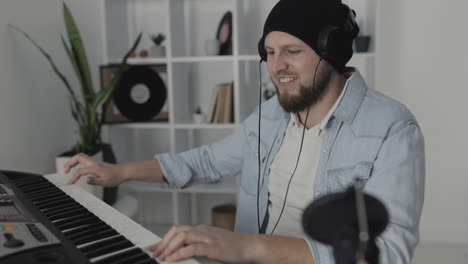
(38, 197)
(146, 261)
(77, 233)
(128, 256)
(38, 191)
(44, 194)
(28, 180)
(78, 229)
(36, 187)
(83, 221)
(63, 209)
(79, 225)
(55, 199)
(131, 259)
(95, 236)
(91, 247)
(68, 201)
(67, 213)
(73, 218)
(58, 207)
(106, 246)
(109, 249)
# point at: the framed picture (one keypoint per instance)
(224, 34)
(138, 89)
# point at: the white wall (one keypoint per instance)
(425, 64)
(35, 122)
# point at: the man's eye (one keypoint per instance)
(293, 51)
(270, 52)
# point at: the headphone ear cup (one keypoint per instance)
(323, 41)
(261, 50)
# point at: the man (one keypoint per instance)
(324, 129)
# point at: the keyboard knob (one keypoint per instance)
(12, 242)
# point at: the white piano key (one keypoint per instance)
(133, 231)
(130, 229)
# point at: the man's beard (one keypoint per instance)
(308, 95)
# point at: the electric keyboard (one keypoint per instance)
(44, 220)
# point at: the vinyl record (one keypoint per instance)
(140, 94)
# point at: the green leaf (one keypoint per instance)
(51, 62)
(73, 62)
(104, 94)
(78, 51)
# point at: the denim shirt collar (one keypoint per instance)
(352, 99)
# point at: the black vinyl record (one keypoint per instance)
(140, 94)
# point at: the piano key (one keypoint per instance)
(94, 236)
(52, 209)
(89, 231)
(127, 256)
(73, 218)
(78, 229)
(125, 226)
(109, 248)
(42, 194)
(47, 204)
(86, 220)
(67, 212)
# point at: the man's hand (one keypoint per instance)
(182, 242)
(101, 173)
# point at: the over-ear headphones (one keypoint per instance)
(332, 41)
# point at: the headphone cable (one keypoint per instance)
(258, 150)
(298, 156)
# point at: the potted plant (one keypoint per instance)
(86, 104)
(198, 116)
(158, 50)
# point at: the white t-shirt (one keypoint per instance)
(300, 192)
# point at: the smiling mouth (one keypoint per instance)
(286, 79)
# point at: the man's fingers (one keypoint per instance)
(168, 237)
(73, 161)
(192, 250)
(153, 247)
(80, 172)
(181, 239)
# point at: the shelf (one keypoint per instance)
(141, 61)
(151, 125)
(189, 59)
(226, 186)
(355, 55)
(206, 126)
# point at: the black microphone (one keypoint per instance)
(349, 221)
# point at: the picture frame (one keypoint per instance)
(110, 113)
(224, 34)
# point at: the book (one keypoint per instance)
(222, 104)
(228, 114)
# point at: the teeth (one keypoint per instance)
(286, 79)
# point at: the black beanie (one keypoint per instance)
(305, 19)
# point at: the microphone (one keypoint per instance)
(349, 221)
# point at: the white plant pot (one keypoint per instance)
(97, 191)
(212, 47)
(158, 51)
(198, 118)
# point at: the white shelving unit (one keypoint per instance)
(192, 76)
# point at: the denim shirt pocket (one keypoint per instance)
(341, 178)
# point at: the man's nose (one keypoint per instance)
(278, 63)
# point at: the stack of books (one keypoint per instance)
(222, 104)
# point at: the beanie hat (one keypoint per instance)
(327, 26)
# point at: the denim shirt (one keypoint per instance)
(370, 137)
